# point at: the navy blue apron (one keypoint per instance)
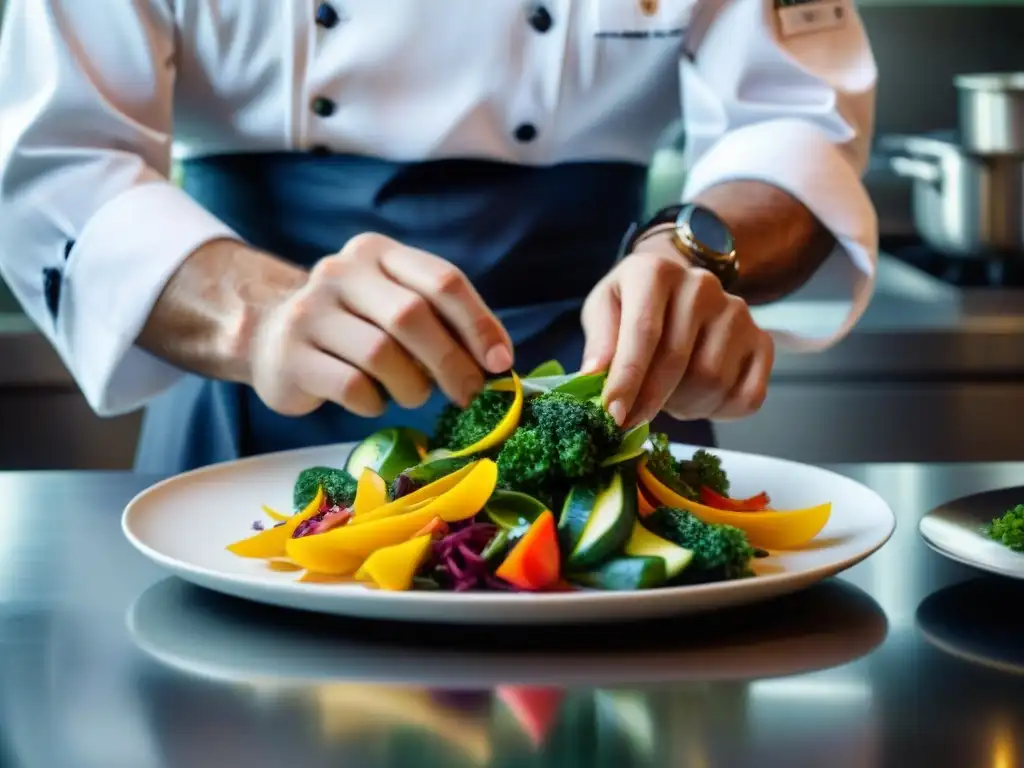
(534, 241)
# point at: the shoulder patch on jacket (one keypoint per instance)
(801, 17)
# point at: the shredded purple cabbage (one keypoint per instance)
(323, 521)
(456, 562)
(403, 486)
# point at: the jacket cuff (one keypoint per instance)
(116, 271)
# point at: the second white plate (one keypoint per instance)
(956, 530)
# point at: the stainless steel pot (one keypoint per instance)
(991, 112)
(965, 205)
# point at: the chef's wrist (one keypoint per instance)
(208, 317)
(780, 241)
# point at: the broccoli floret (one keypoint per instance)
(686, 477)
(560, 439)
(339, 487)
(663, 465)
(720, 552)
(705, 469)
(457, 428)
(1008, 529)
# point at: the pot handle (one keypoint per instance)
(916, 169)
(913, 157)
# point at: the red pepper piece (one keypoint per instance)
(756, 503)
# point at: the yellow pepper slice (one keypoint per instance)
(321, 551)
(273, 514)
(789, 529)
(392, 568)
(283, 564)
(371, 492)
(417, 498)
(271, 543)
(505, 427)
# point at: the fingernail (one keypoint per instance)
(498, 358)
(590, 365)
(617, 411)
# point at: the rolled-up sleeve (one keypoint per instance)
(786, 95)
(91, 229)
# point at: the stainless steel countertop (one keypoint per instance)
(842, 675)
(916, 327)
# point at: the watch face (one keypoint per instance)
(709, 233)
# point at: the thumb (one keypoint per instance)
(600, 320)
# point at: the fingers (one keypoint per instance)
(671, 360)
(328, 378)
(644, 295)
(372, 351)
(600, 319)
(751, 388)
(729, 350)
(456, 300)
(408, 318)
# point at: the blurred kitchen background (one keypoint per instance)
(934, 372)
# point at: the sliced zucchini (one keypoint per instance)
(387, 452)
(609, 523)
(579, 503)
(643, 543)
(428, 472)
(624, 574)
(511, 509)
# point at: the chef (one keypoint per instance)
(385, 202)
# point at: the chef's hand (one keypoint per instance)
(673, 340)
(377, 315)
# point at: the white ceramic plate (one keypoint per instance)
(956, 530)
(185, 522)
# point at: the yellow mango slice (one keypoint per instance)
(371, 492)
(417, 498)
(271, 543)
(774, 529)
(274, 515)
(320, 552)
(505, 427)
(392, 568)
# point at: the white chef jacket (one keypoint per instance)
(94, 92)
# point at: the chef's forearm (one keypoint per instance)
(779, 241)
(205, 317)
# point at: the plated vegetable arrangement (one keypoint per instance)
(532, 487)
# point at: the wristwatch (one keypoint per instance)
(697, 233)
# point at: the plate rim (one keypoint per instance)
(663, 594)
